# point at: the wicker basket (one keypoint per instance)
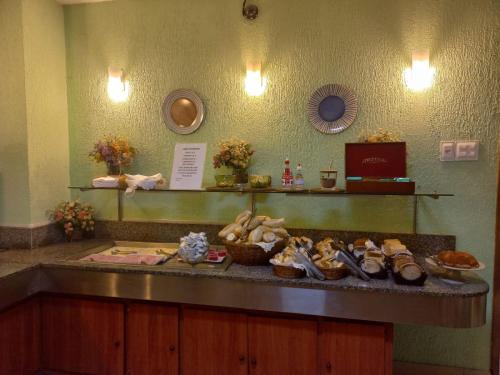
(252, 255)
(335, 273)
(288, 272)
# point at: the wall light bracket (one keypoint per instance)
(250, 11)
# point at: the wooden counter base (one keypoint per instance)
(109, 336)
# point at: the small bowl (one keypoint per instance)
(260, 181)
(328, 178)
(225, 180)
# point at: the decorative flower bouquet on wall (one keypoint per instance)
(74, 216)
(235, 154)
(115, 152)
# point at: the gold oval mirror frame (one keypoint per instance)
(183, 111)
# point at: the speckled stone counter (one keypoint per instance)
(57, 268)
(11, 269)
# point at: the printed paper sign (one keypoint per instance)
(189, 162)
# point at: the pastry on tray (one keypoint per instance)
(407, 271)
(325, 249)
(359, 246)
(284, 263)
(360, 242)
(458, 259)
(326, 260)
(394, 247)
(373, 264)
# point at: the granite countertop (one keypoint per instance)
(8, 269)
(67, 255)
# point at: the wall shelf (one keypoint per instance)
(253, 192)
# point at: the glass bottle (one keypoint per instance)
(299, 178)
(287, 176)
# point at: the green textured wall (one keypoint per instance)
(364, 44)
(46, 105)
(14, 187)
(34, 143)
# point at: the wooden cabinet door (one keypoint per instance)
(214, 343)
(82, 336)
(20, 339)
(282, 346)
(152, 333)
(347, 348)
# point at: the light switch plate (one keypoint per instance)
(447, 151)
(467, 150)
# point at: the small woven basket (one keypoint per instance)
(336, 273)
(252, 255)
(288, 272)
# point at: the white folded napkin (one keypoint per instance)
(266, 246)
(144, 182)
(105, 182)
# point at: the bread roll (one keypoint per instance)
(256, 235)
(459, 259)
(274, 223)
(228, 229)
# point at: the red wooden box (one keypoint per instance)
(377, 164)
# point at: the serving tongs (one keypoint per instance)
(348, 259)
(310, 266)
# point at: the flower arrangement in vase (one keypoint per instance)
(115, 152)
(73, 216)
(381, 136)
(235, 154)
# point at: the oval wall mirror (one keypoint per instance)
(183, 111)
(332, 108)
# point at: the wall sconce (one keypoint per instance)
(255, 84)
(118, 86)
(421, 75)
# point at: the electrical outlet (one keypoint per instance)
(467, 150)
(447, 151)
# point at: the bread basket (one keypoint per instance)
(252, 255)
(288, 272)
(335, 273)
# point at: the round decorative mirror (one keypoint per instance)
(332, 108)
(183, 111)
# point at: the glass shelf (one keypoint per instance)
(272, 190)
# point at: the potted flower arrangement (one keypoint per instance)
(74, 216)
(235, 154)
(115, 152)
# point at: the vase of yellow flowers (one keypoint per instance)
(75, 218)
(235, 154)
(116, 152)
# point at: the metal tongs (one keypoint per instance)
(310, 266)
(345, 257)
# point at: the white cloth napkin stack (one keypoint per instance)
(105, 182)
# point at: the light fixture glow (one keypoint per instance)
(255, 84)
(421, 75)
(118, 86)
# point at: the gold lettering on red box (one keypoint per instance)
(374, 160)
